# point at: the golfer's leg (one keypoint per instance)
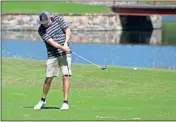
(65, 64)
(46, 86)
(65, 87)
(51, 72)
(66, 71)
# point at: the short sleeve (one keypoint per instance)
(62, 23)
(44, 35)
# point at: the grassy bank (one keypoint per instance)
(168, 33)
(56, 7)
(115, 94)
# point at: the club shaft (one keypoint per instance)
(86, 59)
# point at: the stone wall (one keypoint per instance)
(100, 22)
(105, 37)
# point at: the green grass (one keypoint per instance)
(168, 33)
(117, 93)
(56, 7)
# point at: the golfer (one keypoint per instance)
(55, 33)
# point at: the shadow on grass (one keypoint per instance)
(50, 108)
(45, 107)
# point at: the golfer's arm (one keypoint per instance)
(54, 44)
(68, 34)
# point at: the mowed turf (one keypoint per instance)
(55, 7)
(117, 93)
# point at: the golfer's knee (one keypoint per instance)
(65, 77)
(48, 80)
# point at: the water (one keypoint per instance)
(121, 55)
(169, 18)
(130, 48)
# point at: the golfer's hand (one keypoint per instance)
(65, 44)
(66, 49)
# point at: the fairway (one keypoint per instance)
(117, 93)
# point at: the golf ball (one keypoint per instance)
(135, 68)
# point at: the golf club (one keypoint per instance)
(103, 68)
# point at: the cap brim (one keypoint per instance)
(43, 22)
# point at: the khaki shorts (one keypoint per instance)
(62, 62)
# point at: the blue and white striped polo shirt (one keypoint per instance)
(56, 32)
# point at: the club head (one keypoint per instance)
(103, 68)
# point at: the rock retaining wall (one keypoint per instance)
(100, 22)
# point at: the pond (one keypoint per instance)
(151, 49)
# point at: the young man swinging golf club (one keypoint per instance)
(55, 33)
